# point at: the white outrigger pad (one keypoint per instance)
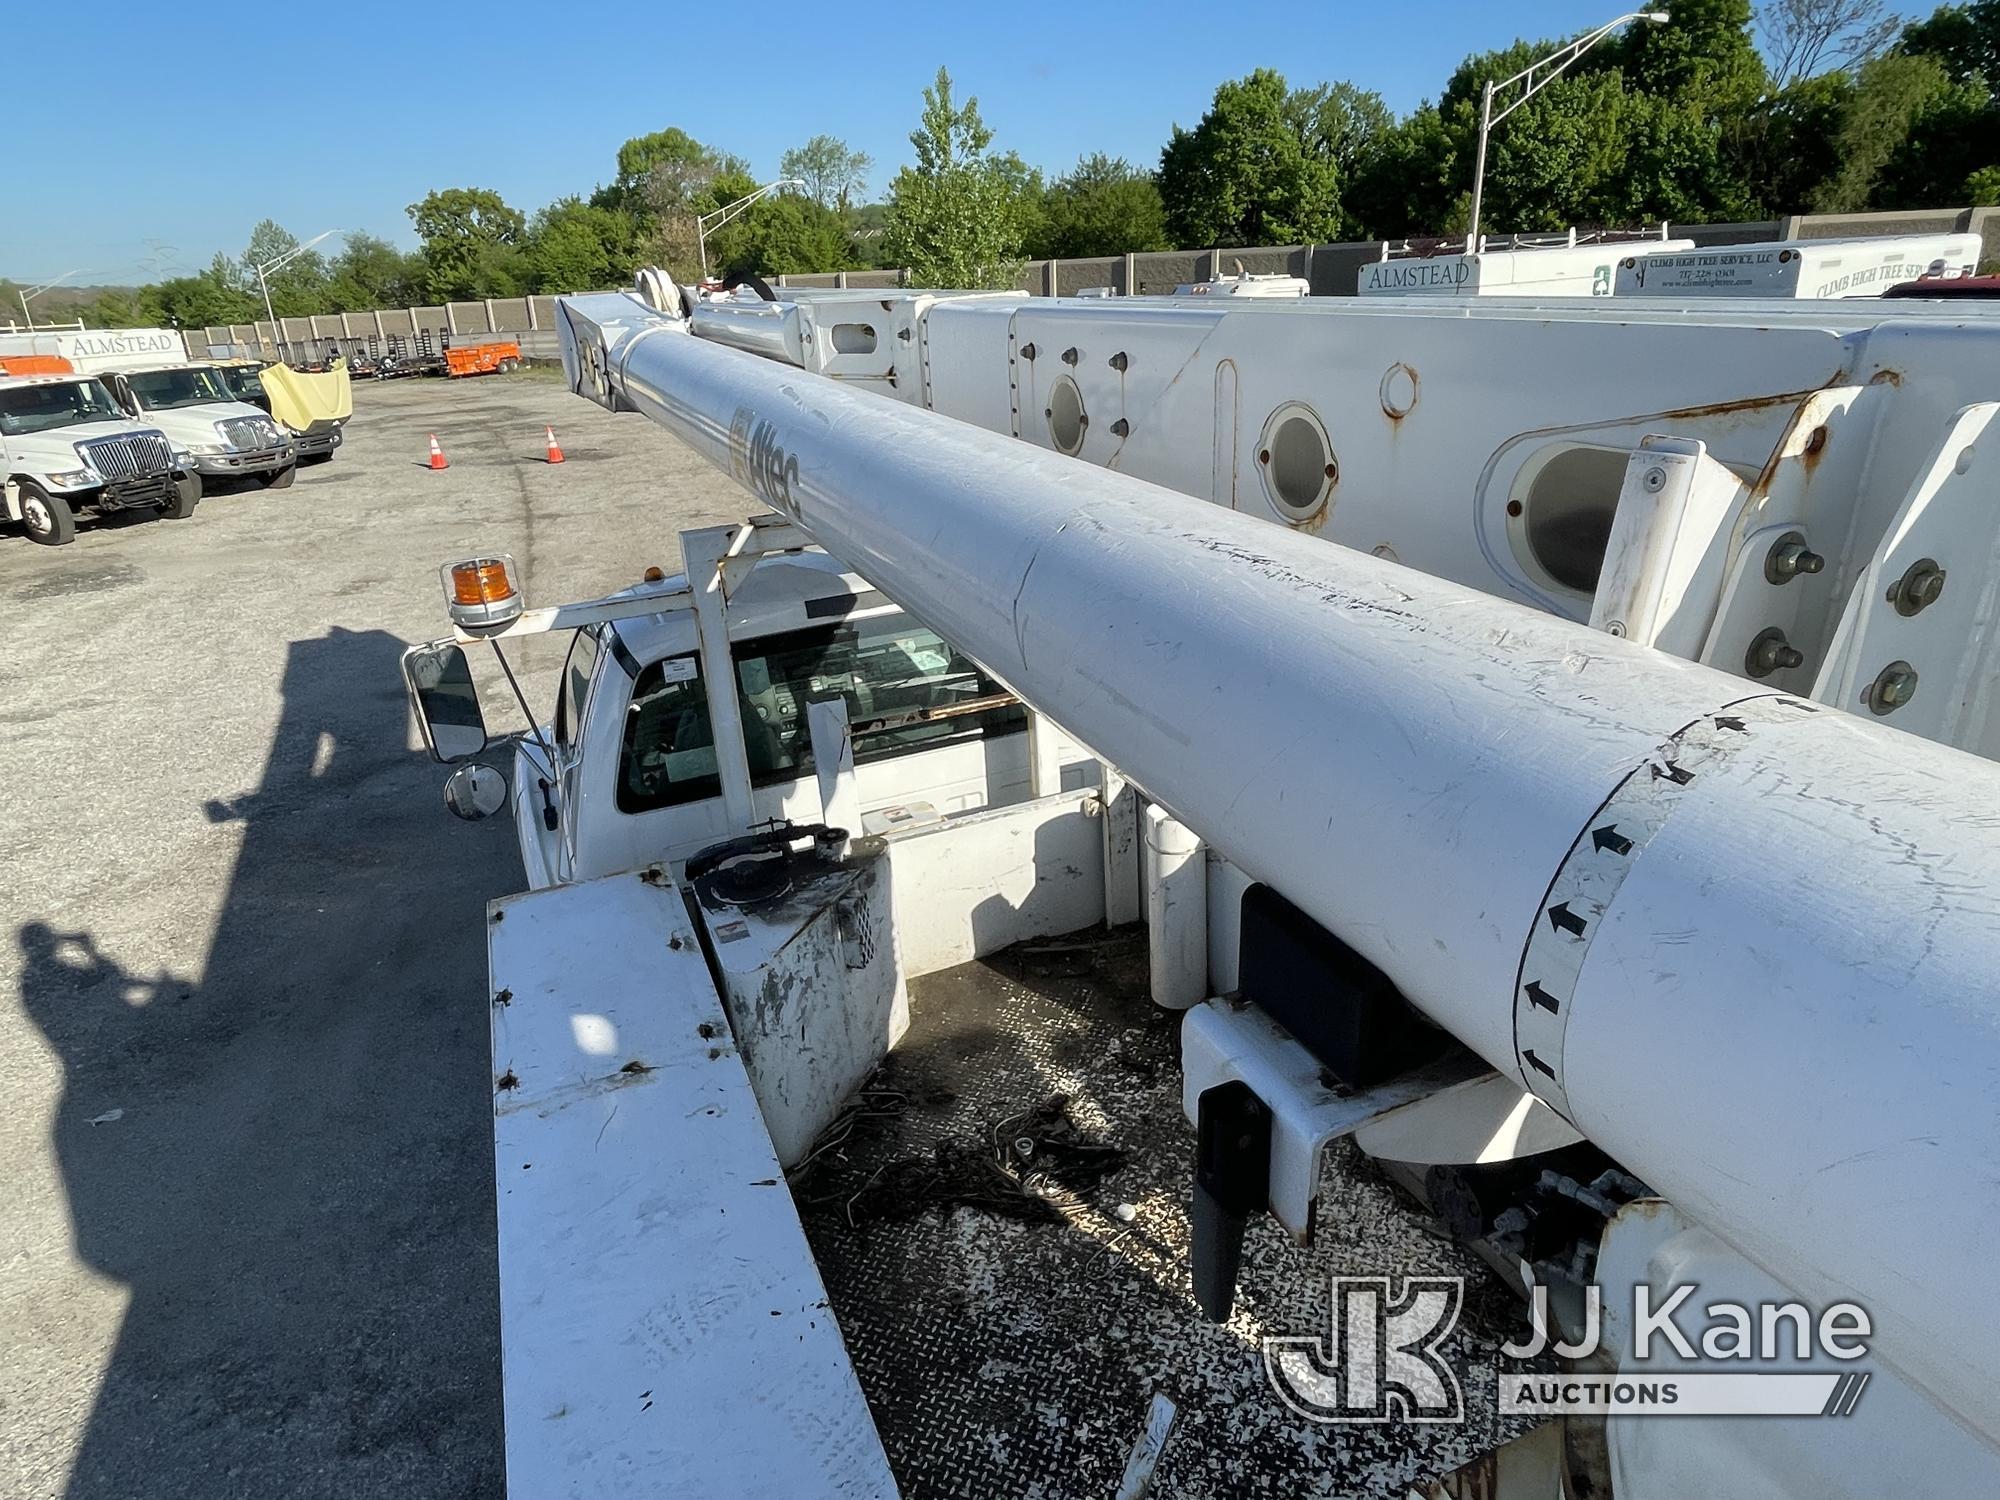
(664, 1329)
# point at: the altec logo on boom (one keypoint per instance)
(1381, 1361)
(760, 463)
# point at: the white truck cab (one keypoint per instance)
(226, 438)
(66, 447)
(628, 771)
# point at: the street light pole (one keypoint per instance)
(28, 292)
(721, 216)
(1556, 63)
(278, 263)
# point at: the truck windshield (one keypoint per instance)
(886, 668)
(242, 382)
(163, 390)
(37, 408)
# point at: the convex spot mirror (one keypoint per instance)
(446, 701)
(475, 792)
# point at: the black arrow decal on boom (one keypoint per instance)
(1678, 775)
(1537, 1064)
(1728, 721)
(1562, 919)
(1539, 996)
(1608, 837)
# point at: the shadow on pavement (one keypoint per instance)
(289, 1162)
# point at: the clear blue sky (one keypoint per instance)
(217, 115)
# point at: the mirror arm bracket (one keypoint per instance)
(535, 729)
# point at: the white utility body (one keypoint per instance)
(1618, 844)
(66, 447)
(96, 349)
(1579, 266)
(1805, 269)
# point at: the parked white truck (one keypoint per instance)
(1371, 797)
(225, 438)
(66, 447)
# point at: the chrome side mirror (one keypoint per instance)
(439, 681)
(474, 792)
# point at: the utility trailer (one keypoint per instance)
(1565, 1005)
(495, 357)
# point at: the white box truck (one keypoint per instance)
(1808, 269)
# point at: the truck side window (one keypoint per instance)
(669, 754)
(888, 669)
(575, 689)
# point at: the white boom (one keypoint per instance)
(1745, 942)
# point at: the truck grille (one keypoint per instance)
(250, 432)
(140, 455)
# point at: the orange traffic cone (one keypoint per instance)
(555, 450)
(437, 454)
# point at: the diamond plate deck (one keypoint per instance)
(1004, 1358)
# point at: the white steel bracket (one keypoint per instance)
(1229, 1041)
(1915, 645)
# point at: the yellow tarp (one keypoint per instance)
(301, 400)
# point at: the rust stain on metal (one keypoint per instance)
(635, 1067)
(505, 997)
(506, 1082)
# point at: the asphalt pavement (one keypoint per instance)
(247, 1246)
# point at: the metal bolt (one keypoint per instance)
(1894, 685)
(1789, 556)
(1069, 355)
(1118, 361)
(1771, 652)
(1653, 481)
(1919, 587)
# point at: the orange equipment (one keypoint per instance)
(500, 358)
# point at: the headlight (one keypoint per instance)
(208, 448)
(71, 479)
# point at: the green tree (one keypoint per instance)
(1243, 176)
(1965, 39)
(297, 290)
(1102, 206)
(369, 273)
(956, 215)
(209, 298)
(833, 172)
(573, 246)
(669, 168)
(470, 244)
(786, 233)
(1409, 182)
(1786, 147)
(1891, 95)
(1982, 188)
(1345, 126)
